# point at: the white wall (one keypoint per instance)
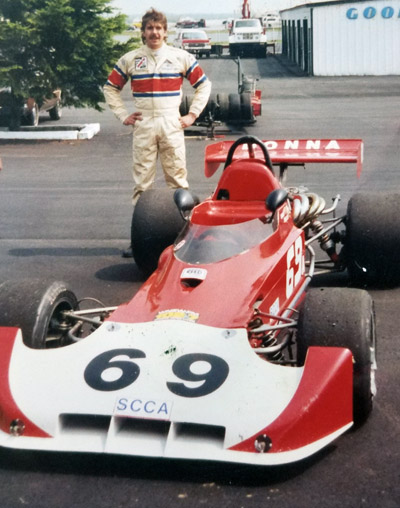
(349, 40)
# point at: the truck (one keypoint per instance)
(247, 36)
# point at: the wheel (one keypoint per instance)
(31, 118)
(246, 107)
(223, 103)
(250, 141)
(343, 317)
(262, 52)
(56, 112)
(234, 115)
(156, 222)
(212, 106)
(372, 246)
(38, 309)
(185, 105)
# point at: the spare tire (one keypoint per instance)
(234, 108)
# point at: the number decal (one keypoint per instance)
(129, 371)
(295, 266)
(215, 376)
(212, 372)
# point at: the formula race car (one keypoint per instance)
(224, 353)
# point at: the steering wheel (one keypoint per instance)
(250, 141)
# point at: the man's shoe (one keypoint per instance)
(128, 252)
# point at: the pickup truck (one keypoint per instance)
(247, 36)
(194, 41)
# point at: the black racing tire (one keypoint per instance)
(234, 108)
(37, 308)
(56, 112)
(212, 106)
(156, 222)
(246, 108)
(185, 105)
(343, 317)
(223, 103)
(372, 246)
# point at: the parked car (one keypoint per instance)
(30, 111)
(193, 41)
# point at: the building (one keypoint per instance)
(339, 38)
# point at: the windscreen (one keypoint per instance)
(243, 23)
(199, 244)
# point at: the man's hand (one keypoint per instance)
(187, 120)
(133, 118)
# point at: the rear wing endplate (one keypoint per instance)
(285, 152)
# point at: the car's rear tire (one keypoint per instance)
(156, 222)
(37, 308)
(343, 317)
(372, 247)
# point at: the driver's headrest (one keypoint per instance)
(246, 180)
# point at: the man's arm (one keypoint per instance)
(112, 91)
(202, 86)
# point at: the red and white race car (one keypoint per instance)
(224, 353)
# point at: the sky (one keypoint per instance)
(185, 7)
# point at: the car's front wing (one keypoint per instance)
(171, 389)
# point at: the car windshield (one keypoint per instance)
(195, 35)
(200, 244)
(247, 23)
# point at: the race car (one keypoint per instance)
(224, 353)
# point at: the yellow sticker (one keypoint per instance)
(180, 314)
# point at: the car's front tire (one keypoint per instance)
(343, 317)
(37, 307)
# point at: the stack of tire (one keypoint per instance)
(233, 108)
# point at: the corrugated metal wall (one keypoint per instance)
(357, 39)
(360, 38)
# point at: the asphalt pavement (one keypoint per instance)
(65, 210)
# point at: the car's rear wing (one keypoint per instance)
(286, 152)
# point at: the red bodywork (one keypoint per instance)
(266, 280)
(268, 275)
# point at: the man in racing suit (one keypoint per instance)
(156, 72)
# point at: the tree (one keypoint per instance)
(59, 44)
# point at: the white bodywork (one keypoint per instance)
(145, 417)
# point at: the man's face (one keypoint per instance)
(154, 34)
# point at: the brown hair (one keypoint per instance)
(156, 17)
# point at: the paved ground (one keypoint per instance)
(65, 213)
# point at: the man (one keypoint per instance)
(156, 72)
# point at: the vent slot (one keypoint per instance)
(145, 429)
(83, 423)
(193, 434)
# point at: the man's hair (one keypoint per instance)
(156, 17)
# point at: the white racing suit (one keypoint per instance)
(156, 82)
